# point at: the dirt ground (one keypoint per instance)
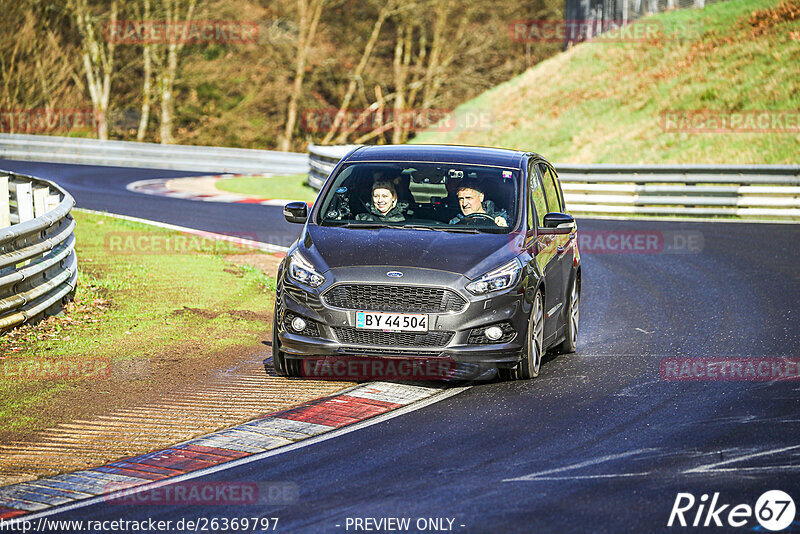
(152, 402)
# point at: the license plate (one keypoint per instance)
(401, 322)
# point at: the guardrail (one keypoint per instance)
(150, 155)
(322, 160)
(38, 266)
(746, 191)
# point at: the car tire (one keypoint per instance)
(288, 367)
(570, 343)
(293, 367)
(531, 361)
(278, 359)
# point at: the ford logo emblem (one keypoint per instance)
(394, 274)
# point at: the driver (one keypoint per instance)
(471, 201)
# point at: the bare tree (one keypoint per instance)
(36, 66)
(98, 59)
(423, 53)
(147, 76)
(308, 13)
(387, 8)
(166, 62)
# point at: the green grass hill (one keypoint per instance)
(621, 102)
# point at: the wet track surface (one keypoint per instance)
(600, 442)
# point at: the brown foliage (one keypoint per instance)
(763, 20)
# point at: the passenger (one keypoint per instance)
(384, 206)
(471, 201)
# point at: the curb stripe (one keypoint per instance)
(338, 411)
(131, 473)
(158, 187)
(136, 466)
(8, 513)
(210, 452)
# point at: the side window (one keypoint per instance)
(537, 197)
(550, 188)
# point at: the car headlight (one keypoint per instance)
(503, 277)
(302, 271)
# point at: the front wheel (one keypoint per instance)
(570, 343)
(531, 361)
(278, 359)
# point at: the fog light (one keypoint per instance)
(298, 324)
(494, 333)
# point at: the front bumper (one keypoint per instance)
(330, 322)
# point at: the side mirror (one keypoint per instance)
(296, 212)
(560, 222)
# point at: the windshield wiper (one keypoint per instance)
(368, 225)
(418, 227)
(462, 230)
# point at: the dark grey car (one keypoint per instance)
(491, 284)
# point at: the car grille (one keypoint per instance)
(389, 298)
(348, 334)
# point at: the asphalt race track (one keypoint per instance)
(103, 189)
(604, 439)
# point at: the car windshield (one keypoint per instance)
(435, 196)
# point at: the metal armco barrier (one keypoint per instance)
(38, 266)
(150, 155)
(746, 191)
(322, 160)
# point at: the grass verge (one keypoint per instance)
(606, 102)
(291, 187)
(152, 307)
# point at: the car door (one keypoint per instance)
(567, 243)
(545, 246)
(558, 242)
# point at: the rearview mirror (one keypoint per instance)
(296, 212)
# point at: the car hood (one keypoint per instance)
(471, 255)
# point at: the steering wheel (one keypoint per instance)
(479, 216)
(475, 218)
